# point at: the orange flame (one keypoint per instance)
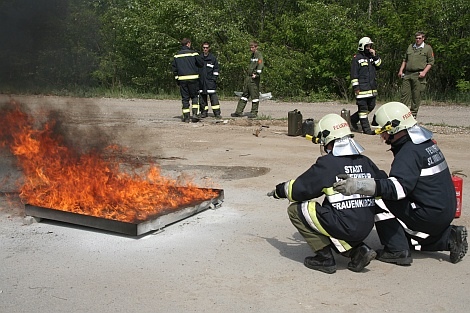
(58, 177)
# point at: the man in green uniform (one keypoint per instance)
(416, 63)
(251, 83)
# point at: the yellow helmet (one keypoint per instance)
(393, 117)
(363, 42)
(331, 127)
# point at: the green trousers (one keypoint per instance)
(250, 89)
(411, 91)
(314, 239)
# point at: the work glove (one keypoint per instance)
(349, 186)
(273, 194)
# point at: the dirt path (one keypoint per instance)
(242, 257)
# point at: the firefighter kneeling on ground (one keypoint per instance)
(341, 222)
(419, 201)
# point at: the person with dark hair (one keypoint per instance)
(185, 65)
(208, 82)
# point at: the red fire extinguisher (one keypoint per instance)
(458, 184)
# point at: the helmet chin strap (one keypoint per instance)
(390, 139)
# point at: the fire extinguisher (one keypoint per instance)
(458, 184)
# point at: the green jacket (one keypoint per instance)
(417, 58)
(256, 64)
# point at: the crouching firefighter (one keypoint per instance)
(419, 200)
(340, 223)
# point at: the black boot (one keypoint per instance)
(366, 127)
(360, 257)
(398, 257)
(185, 118)
(354, 121)
(458, 245)
(203, 114)
(323, 261)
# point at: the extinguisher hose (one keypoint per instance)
(458, 173)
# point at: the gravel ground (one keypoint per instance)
(242, 257)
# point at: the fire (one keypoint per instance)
(59, 177)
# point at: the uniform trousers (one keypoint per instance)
(204, 104)
(411, 91)
(314, 239)
(189, 90)
(250, 89)
(418, 222)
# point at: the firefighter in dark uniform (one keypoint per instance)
(340, 222)
(364, 65)
(185, 65)
(208, 82)
(418, 60)
(251, 83)
(419, 199)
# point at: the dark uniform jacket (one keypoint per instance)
(209, 74)
(186, 64)
(343, 217)
(419, 173)
(364, 74)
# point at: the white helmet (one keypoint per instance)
(331, 127)
(363, 42)
(393, 117)
(334, 127)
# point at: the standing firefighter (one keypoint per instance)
(208, 82)
(364, 65)
(340, 222)
(251, 83)
(185, 65)
(418, 60)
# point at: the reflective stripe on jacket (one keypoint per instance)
(186, 64)
(364, 74)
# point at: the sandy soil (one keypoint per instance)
(242, 257)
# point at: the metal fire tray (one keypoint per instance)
(127, 228)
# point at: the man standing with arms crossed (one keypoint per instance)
(418, 60)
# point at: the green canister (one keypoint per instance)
(294, 123)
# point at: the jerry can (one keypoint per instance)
(294, 123)
(308, 127)
(346, 114)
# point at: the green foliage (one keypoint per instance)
(463, 85)
(44, 43)
(127, 45)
